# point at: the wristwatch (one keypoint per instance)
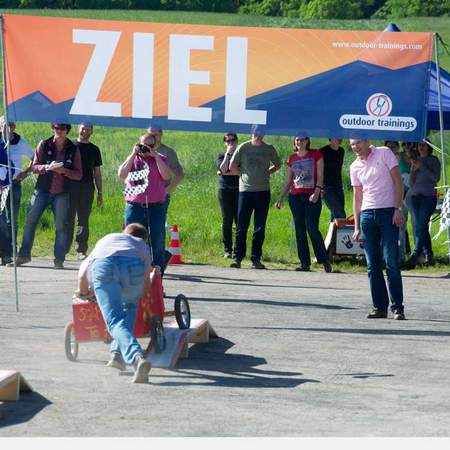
(399, 209)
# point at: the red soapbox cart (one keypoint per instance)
(88, 324)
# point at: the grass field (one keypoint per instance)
(194, 205)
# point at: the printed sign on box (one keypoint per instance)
(345, 245)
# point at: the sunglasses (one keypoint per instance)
(60, 128)
(230, 140)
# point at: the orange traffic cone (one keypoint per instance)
(174, 246)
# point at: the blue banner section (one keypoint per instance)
(358, 100)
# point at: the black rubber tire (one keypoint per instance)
(182, 312)
(71, 346)
(157, 335)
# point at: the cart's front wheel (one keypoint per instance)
(157, 335)
(71, 345)
(182, 312)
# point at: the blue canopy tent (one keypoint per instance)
(433, 105)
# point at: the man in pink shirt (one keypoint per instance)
(56, 160)
(377, 207)
(145, 172)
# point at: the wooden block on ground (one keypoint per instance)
(11, 384)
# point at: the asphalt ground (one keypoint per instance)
(295, 357)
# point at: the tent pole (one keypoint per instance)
(441, 121)
(6, 138)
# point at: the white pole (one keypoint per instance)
(8, 152)
(441, 121)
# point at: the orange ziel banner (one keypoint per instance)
(217, 78)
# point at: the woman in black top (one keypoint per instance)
(228, 192)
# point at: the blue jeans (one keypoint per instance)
(118, 283)
(6, 245)
(257, 203)
(152, 217)
(306, 217)
(333, 197)
(39, 201)
(380, 237)
(423, 207)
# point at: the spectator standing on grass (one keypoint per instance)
(81, 193)
(377, 208)
(228, 191)
(19, 149)
(304, 182)
(145, 172)
(425, 174)
(56, 161)
(118, 270)
(403, 241)
(177, 173)
(333, 192)
(256, 161)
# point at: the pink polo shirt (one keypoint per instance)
(374, 175)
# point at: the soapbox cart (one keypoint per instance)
(88, 324)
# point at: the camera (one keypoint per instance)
(142, 148)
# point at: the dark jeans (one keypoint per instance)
(81, 196)
(333, 197)
(6, 248)
(39, 202)
(306, 217)
(153, 218)
(228, 199)
(257, 203)
(380, 237)
(422, 207)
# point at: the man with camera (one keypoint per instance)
(145, 172)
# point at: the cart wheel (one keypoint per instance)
(71, 346)
(182, 312)
(157, 335)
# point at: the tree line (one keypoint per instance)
(303, 9)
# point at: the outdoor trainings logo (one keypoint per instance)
(378, 107)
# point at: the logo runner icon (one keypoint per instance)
(379, 105)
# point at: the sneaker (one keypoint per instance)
(227, 255)
(57, 264)
(411, 263)
(430, 259)
(81, 256)
(141, 369)
(303, 268)
(377, 314)
(399, 315)
(235, 264)
(257, 264)
(6, 260)
(327, 267)
(117, 361)
(20, 261)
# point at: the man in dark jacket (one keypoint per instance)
(56, 160)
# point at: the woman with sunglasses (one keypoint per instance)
(228, 191)
(304, 183)
(145, 171)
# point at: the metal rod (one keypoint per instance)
(441, 123)
(8, 152)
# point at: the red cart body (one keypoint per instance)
(88, 323)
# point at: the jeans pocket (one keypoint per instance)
(135, 274)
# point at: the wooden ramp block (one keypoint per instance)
(11, 384)
(177, 342)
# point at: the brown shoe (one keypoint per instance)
(399, 315)
(377, 314)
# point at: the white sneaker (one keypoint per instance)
(141, 370)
